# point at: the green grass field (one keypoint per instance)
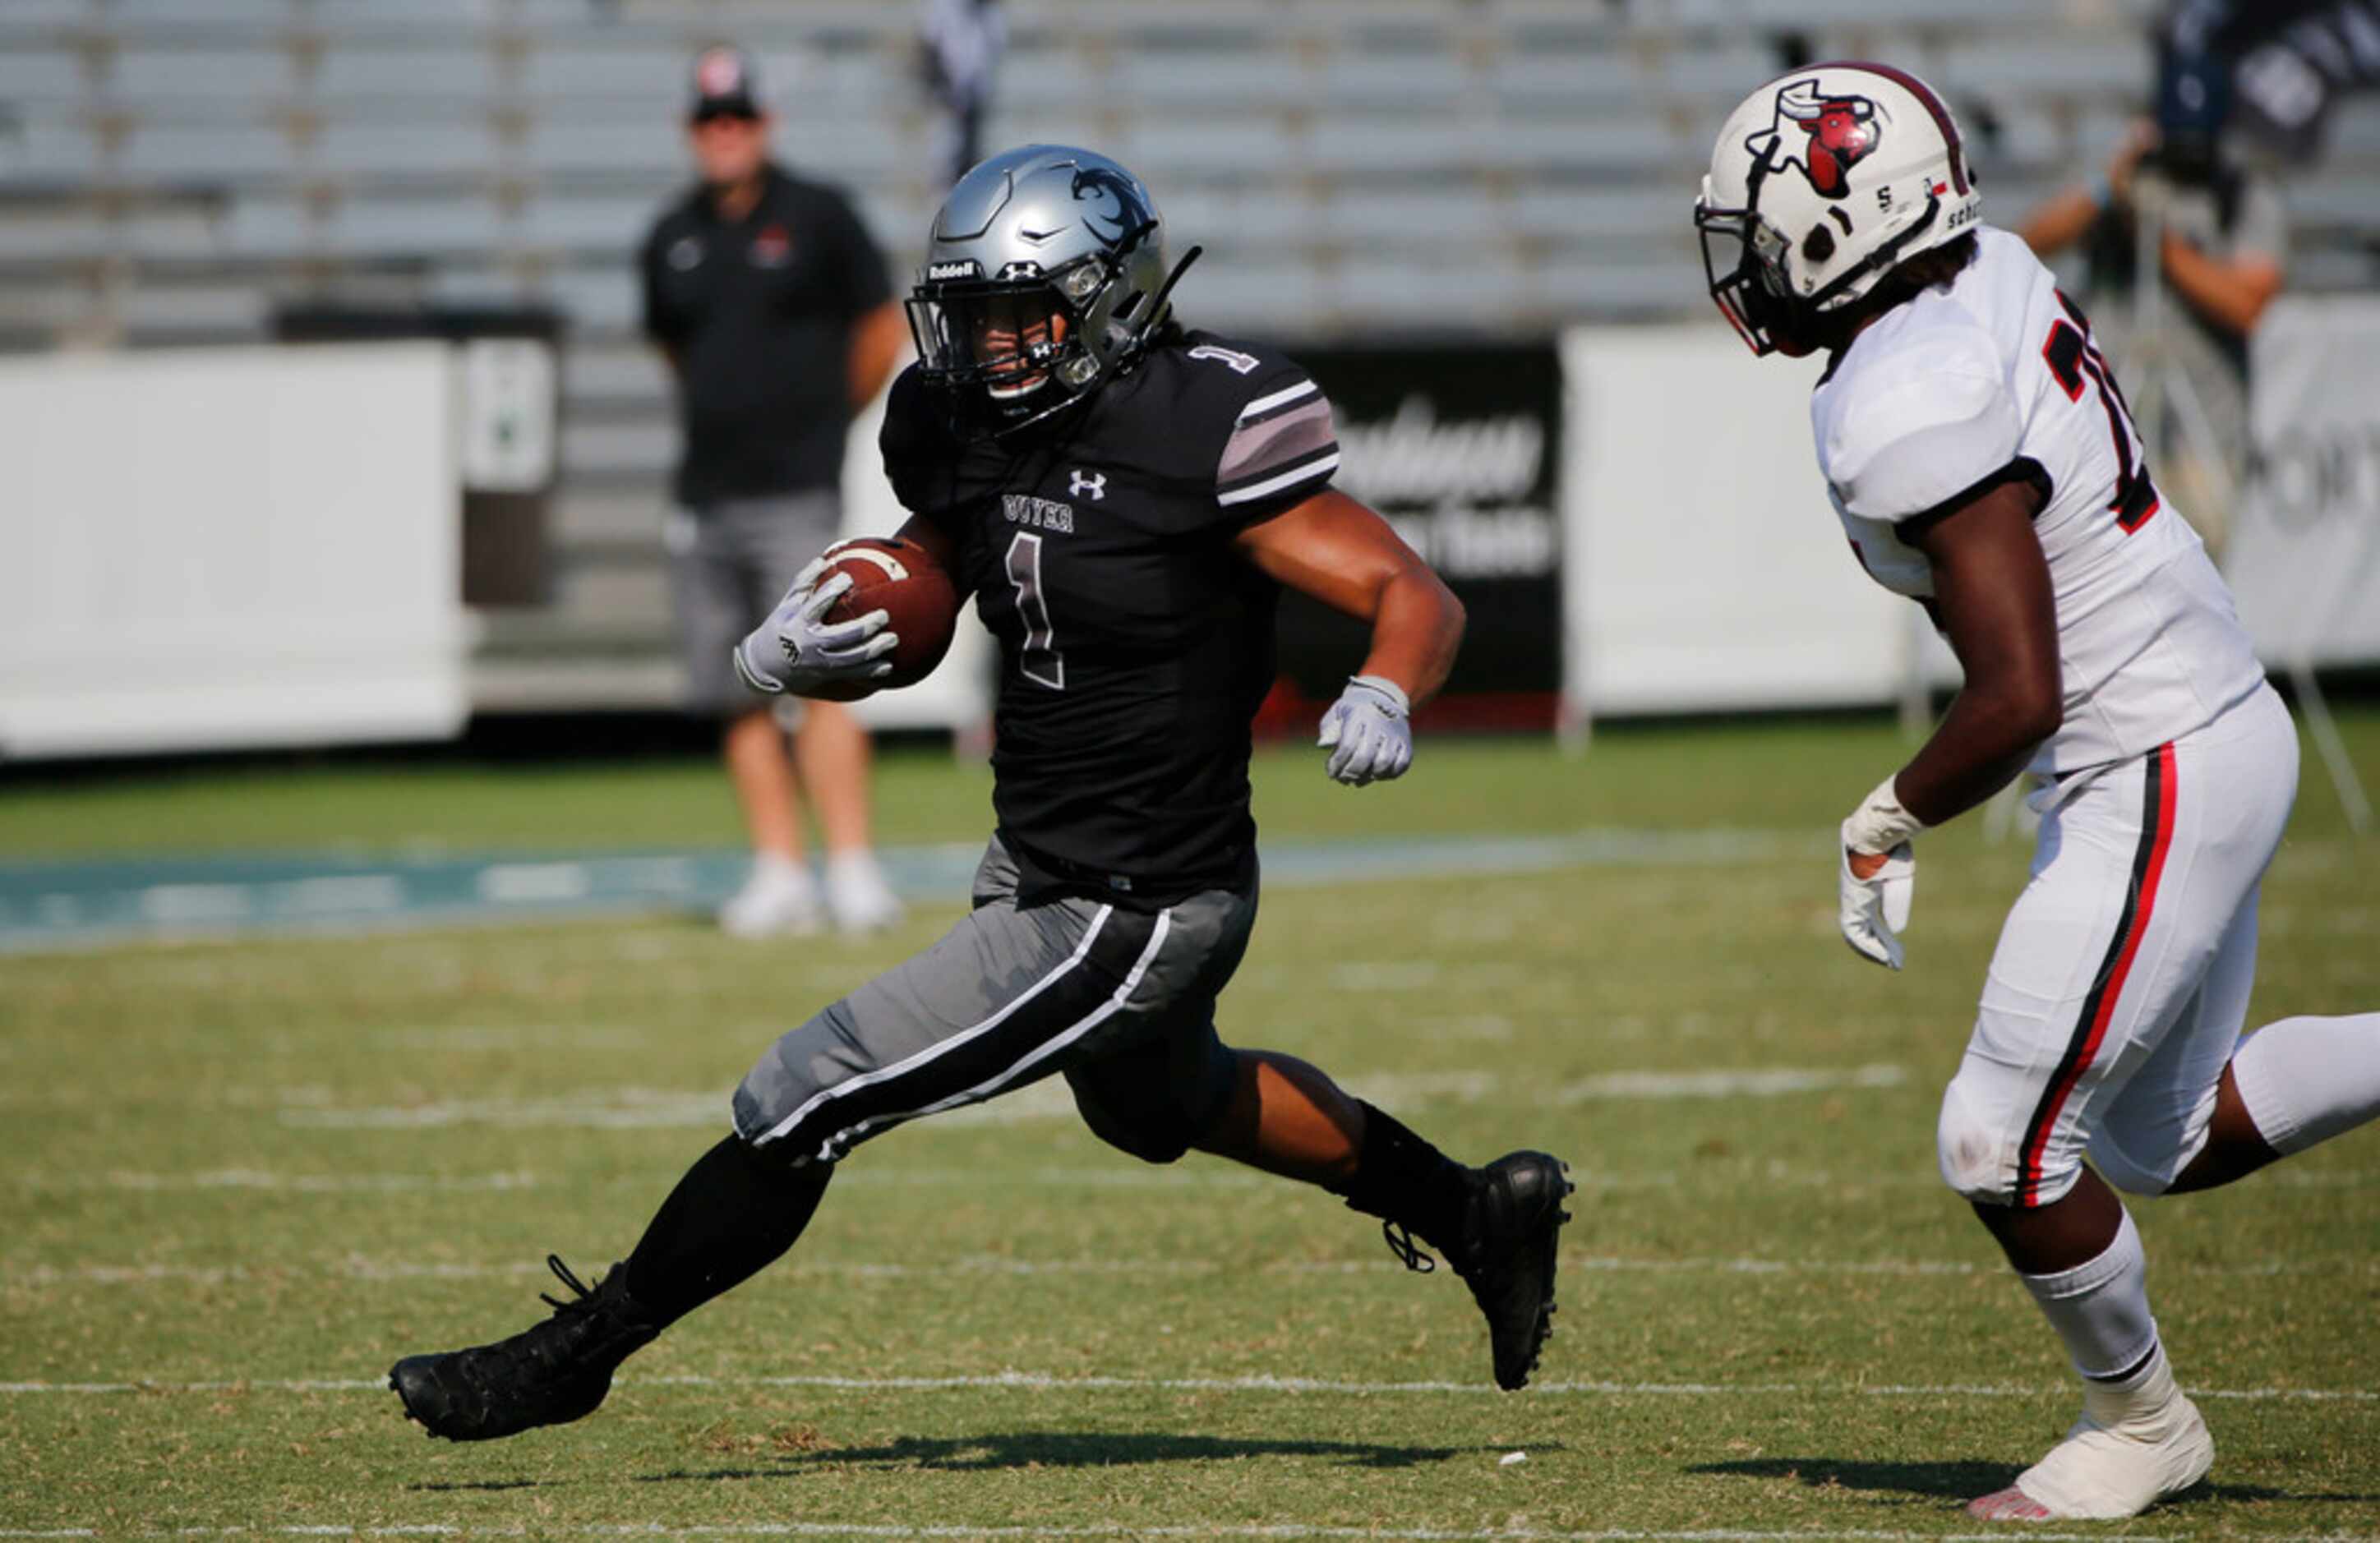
(239, 1179)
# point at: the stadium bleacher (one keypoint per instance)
(171, 171)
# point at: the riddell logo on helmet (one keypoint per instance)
(1834, 134)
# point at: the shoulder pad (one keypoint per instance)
(1916, 420)
(1266, 436)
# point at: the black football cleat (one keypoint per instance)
(1510, 1239)
(1509, 1236)
(551, 1372)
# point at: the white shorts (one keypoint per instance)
(2120, 983)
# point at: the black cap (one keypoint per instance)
(726, 83)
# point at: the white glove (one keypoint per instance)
(1366, 733)
(795, 650)
(1875, 909)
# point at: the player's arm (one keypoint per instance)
(1334, 549)
(1346, 556)
(1992, 601)
(937, 541)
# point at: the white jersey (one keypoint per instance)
(1997, 378)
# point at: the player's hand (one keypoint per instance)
(1876, 895)
(1878, 876)
(1366, 734)
(797, 650)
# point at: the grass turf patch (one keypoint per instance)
(288, 1161)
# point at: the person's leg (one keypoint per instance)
(1175, 1088)
(2113, 1002)
(830, 745)
(1499, 1225)
(992, 1006)
(832, 750)
(780, 899)
(765, 795)
(712, 601)
(2292, 1085)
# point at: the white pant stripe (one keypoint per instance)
(840, 1142)
(943, 1047)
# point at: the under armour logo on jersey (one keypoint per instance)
(1095, 483)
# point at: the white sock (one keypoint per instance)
(2101, 1310)
(858, 865)
(2305, 1080)
(777, 869)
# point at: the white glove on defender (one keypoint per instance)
(1366, 733)
(1875, 909)
(794, 651)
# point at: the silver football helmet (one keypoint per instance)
(1045, 276)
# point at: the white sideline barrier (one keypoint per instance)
(1704, 569)
(227, 548)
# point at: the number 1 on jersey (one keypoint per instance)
(2072, 356)
(1041, 662)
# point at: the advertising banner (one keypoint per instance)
(1459, 445)
(2303, 559)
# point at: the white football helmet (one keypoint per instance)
(1821, 181)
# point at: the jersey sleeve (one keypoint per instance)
(919, 457)
(1281, 449)
(1925, 432)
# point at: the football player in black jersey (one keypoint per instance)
(1124, 499)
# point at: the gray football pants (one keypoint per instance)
(1122, 1001)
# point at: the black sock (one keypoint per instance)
(1404, 1179)
(735, 1213)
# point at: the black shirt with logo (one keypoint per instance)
(1136, 641)
(758, 312)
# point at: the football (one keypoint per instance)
(901, 579)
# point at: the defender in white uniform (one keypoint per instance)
(1979, 451)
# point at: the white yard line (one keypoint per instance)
(254, 1178)
(1024, 1381)
(978, 1266)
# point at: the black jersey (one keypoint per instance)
(758, 316)
(1135, 642)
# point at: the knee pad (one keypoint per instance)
(1156, 1103)
(1971, 1151)
(1149, 1134)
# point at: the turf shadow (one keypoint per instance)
(1956, 1480)
(1030, 1449)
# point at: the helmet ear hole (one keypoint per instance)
(1819, 245)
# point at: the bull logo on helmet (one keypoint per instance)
(1836, 133)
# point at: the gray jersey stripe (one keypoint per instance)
(1256, 451)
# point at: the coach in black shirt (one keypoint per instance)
(772, 307)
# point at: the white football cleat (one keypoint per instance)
(857, 896)
(777, 900)
(2127, 1452)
